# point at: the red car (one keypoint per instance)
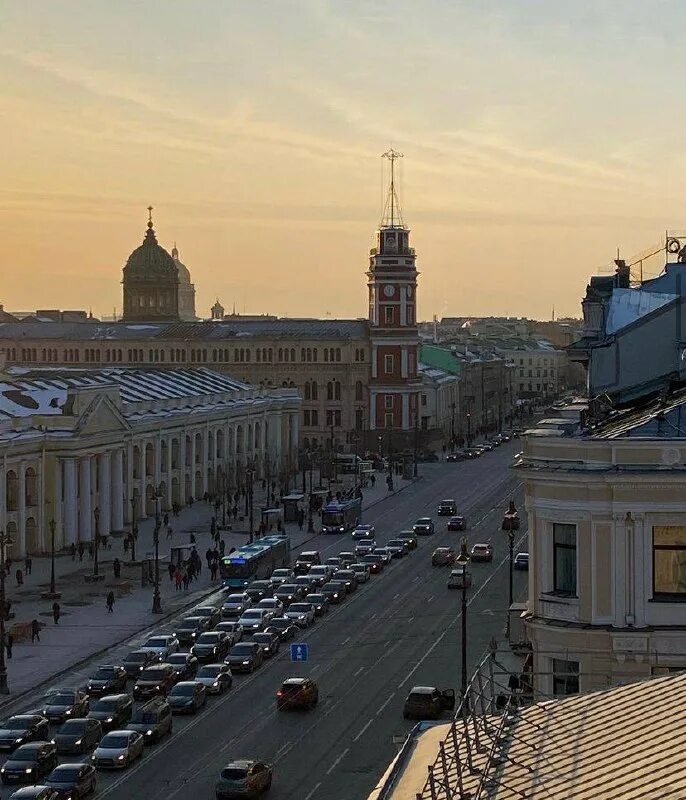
(442, 556)
(297, 693)
(457, 523)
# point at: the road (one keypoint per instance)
(398, 630)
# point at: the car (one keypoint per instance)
(254, 619)
(446, 508)
(427, 702)
(243, 778)
(302, 614)
(72, 781)
(384, 552)
(459, 578)
(61, 704)
(157, 679)
(442, 557)
(361, 571)
(185, 665)
(245, 657)
(364, 532)
(212, 613)
(319, 602)
(457, 523)
(38, 792)
(397, 548)
(486, 447)
(152, 720)
(280, 576)
(77, 736)
(305, 560)
(272, 604)
(211, 646)
(108, 679)
(188, 630)
(234, 605)
(364, 546)
(306, 584)
(137, 660)
(348, 577)
(334, 562)
(285, 628)
(118, 749)
(505, 437)
(482, 551)
(21, 729)
(187, 697)
(410, 539)
(216, 678)
(452, 458)
(347, 558)
(374, 562)
(424, 526)
(334, 591)
(163, 645)
(269, 641)
(521, 561)
(29, 763)
(259, 589)
(112, 711)
(288, 593)
(297, 693)
(234, 630)
(319, 574)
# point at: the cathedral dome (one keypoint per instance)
(151, 261)
(184, 273)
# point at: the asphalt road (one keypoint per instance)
(400, 629)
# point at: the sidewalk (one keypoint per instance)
(85, 628)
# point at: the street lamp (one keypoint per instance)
(156, 600)
(96, 514)
(249, 478)
(53, 588)
(469, 429)
(134, 528)
(462, 560)
(5, 540)
(510, 524)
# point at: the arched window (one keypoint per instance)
(338, 354)
(12, 490)
(30, 488)
(292, 353)
(337, 390)
(280, 354)
(259, 355)
(326, 354)
(271, 355)
(329, 390)
(235, 354)
(358, 390)
(302, 353)
(308, 395)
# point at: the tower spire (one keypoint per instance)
(149, 216)
(392, 215)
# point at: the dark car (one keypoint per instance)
(285, 628)
(451, 458)
(334, 591)
(348, 577)
(288, 593)
(72, 781)
(443, 556)
(297, 693)
(108, 679)
(152, 721)
(243, 778)
(457, 523)
(410, 539)
(245, 657)
(269, 642)
(521, 561)
(374, 562)
(41, 792)
(185, 665)
(446, 508)
(112, 711)
(61, 704)
(482, 552)
(211, 646)
(22, 728)
(397, 548)
(188, 630)
(305, 560)
(211, 613)
(427, 702)
(29, 763)
(320, 603)
(136, 661)
(187, 697)
(78, 735)
(259, 589)
(216, 678)
(155, 680)
(424, 526)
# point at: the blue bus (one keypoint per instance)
(254, 561)
(340, 516)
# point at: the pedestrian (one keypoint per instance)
(215, 554)
(171, 569)
(90, 550)
(235, 512)
(56, 612)
(35, 631)
(126, 543)
(178, 579)
(116, 567)
(81, 551)
(372, 478)
(110, 602)
(28, 564)
(192, 538)
(72, 551)
(213, 527)
(169, 531)
(213, 570)
(8, 645)
(222, 548)
(20, 577)
(208, 556)
(186, 580)
(165, 519)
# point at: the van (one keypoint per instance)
(153, 720)
(427, 702)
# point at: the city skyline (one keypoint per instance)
(257, 140)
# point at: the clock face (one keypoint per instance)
(389, 290)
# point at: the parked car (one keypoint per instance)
(29, 763)
(259, 589)
(118, 749)
(152, 720)
(364, 546)
(108, 679)
(319, 574)
(442, 557)
(187, 697)
(334, 591)
(284, 627)
(212, 613)
(269, 641)
(346, 558)
(254, 619)
(243, 778)
(302, 614)
(21, 729)
(38, 792)
(424, 526)
(188, 630)
(320, 603)
(162, 645)
(348, 577)
(410, 539)
(521, 561)
(234, 630)
(458, 455)
(446, 508)
(397, 548)
(361, 571)
(288, 593)
(297, 693)
(385, 554)
(112, 711)
(282, 575)
(77, 736)
(457, 523)
(427, 702)
(482, 551)
(374, 562)
(273, 604)
(72, 781)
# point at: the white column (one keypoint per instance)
(141, 505)
(158, 461)
(294, 430)
(3, 500)
(71, 519)
(406, 412)
(118, 491)
(170, 473)
(193, 456)
(21, 518)
(128, 512)
(57, 508)
(104, 493)
(205, 459)
(372, 411)
(85, 530)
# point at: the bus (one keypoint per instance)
(254, 561)
(340, 516)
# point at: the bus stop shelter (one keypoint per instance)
(271, 518)
(292, 503)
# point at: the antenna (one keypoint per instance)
(392, 207)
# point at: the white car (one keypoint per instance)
(118, 749)
(162, 645)
(385, 554)
(235, 605)
(216, 678)
(364, 546)
(272, 604)
(319, 574)
(255, 619)
(280, 576)
(234, 630)
(361, 572)
(364, 532)
(301, 613)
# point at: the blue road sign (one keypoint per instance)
(300, 652)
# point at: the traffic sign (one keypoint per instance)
(300, 652)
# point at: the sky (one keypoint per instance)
(538, 138)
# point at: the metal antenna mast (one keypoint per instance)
(392, 202)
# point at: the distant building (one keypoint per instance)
(186, 289)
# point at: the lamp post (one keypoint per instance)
(469, 429)
(156, 599)
(310, 520)
(53, 594)
(96, 514)
(509, 526)
(249, 478)
(134, 528)
(415, 459)
(452, 425)
(5, 540)
(462, 560)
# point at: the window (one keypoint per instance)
(388, 420)
(564, 559)
(358, 419)
(565, 677)
(337, 390)
(423, 399)
(388, 365)
(315, 393)
(337, 418)
(388, 315)
(388, 402)
(329, 389)
(307, 392)
(669, 561)
(359, 390)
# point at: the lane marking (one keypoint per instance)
(396, 596)
(360, 670)
(284, 749)
(411, 619)
(316, 786)
(361, 733)
(316, 667)
(430, 598)
(345, 641)
(338, 761)
(388, 700)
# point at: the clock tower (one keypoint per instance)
(392, 281)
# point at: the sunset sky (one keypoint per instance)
(538, 138)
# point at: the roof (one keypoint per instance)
(151, 261)
(433, 356)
